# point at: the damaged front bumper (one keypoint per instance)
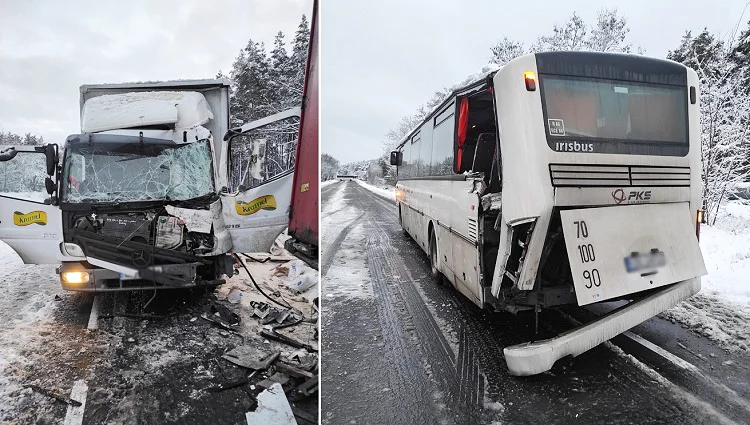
(537, 357)
(102, 276)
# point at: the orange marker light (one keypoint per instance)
(530, 78)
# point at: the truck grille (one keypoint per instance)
(590, 175)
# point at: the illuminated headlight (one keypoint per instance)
(73, 250)
(700, 217)
(75, 277)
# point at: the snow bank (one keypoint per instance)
(721, 311)
(327, 183)
(140, 109)
(389, 193)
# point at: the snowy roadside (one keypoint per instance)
(328, 183)
(721, 311)
(389, 193)
(29, 332)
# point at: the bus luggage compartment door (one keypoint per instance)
(615, 251)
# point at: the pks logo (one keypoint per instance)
(633, 197)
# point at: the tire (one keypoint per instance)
(435, 274)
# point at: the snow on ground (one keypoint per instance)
(387, 192)
(347, 274)
(28, 303)
(721, 311)
(327, 183)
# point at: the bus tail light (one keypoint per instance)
(530, 78)
(700, 217)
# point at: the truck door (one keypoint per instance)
(260, 159)
(29, 222)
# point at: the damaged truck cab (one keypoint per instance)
(155, 192)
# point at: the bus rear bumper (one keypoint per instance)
(537, 357)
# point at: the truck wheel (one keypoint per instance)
(437, 277)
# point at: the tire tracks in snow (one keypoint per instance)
(457, 375)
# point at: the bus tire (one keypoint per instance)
(435, 274)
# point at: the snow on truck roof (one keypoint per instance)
(141, 109)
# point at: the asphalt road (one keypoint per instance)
(399, 349)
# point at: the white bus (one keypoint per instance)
(562, 178)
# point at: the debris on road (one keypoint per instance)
(276, 378)
(221, 316)
(55, 394)
(273, 408)
(287, 340)
(251, 357)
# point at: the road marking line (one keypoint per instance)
(74, 415)
(94, 317)
(676, 360)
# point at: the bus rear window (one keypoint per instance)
(608, 110)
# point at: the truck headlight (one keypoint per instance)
(75, 277)
(73, 250)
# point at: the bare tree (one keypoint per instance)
(608, 35)
(329, 167)
(724, 115)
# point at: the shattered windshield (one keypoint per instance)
(114, 172)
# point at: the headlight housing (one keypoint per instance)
(75, 278)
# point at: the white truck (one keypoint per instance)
(156, 191)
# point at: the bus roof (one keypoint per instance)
(562, 63)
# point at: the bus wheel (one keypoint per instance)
(437, 277)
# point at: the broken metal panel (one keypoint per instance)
(222, 237)
(195, 220)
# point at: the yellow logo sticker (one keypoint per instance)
(38, 217)
(265, 202)
(305, 187)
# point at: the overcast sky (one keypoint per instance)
(50, 48)
(382, 59)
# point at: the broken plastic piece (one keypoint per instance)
(273, 408)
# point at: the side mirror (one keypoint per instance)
(396, 157)
(8, 154)
(49, 185)
(50, 151)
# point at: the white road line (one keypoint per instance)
(94, 317)
(74, 415)
(677, 361)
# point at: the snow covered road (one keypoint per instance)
(400, 349)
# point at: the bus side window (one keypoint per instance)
(442, 143)
(404, 169)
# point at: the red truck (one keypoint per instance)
(303, 215)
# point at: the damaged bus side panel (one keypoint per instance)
(151, 193)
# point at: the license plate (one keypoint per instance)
(647, 263)
(616, 251)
